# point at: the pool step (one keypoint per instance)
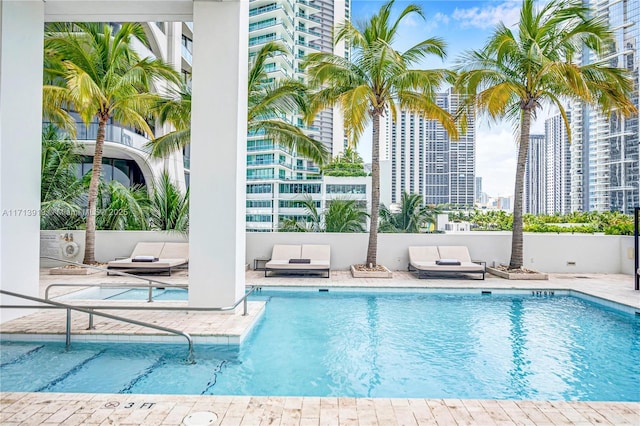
(53, 362)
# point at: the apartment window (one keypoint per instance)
(259, 218)
(294, 217)
(299, 188)
(259, 203)
(346, 189)
(265, 188)
(294, 204)
(188, 43)
(127, 172)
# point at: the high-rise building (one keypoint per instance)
(478, 194)
(425, 160)
(558, 162)
(535, 176)
(605, 171)
(301, 27)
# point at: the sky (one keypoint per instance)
(464, 25)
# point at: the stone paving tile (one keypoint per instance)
(169, 410)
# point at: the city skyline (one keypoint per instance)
(463, 25)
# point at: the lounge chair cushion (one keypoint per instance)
(175, 251)
(147, 249)
(286, 252)
(423, 254)
(164, 255)
(443, 259)
(319, 257)
(460, 253)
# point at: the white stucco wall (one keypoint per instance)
(543, 252)
(109, 244)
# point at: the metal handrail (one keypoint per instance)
(164, 284)
(109, 271)
(91, 311)
(111, 285)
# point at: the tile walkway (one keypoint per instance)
(110, 409)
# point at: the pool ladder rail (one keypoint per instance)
(92, 310)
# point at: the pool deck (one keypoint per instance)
(120, 409)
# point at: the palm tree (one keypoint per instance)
(268, 106)
(169, 207)
(517, 71)
(340, 216)
(377, 82)
(411, 217)
(98, 74)
(60, 188)
(120, 207)
(345, 216)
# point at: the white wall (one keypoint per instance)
(109, 244)
(543, 252)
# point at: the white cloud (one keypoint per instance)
(488, 16)
(433, 22)
(410, 21)
(441, 17)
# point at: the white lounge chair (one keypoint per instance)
(443, 259)
(153, 257)
(299, 258)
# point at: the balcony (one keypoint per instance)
(308, 31)
(113, 134)
(309, 4)
(265, 9)
(308, 17)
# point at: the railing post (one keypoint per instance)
(150, 299)
(68, 338)
(246, 310)
(636, 247)
(91, 326)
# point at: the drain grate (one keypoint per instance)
(200, 418)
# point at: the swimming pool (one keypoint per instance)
(369, 345)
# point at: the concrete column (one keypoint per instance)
(21, 46)
(218, 153)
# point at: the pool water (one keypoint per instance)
(107, 293)
(369, 345)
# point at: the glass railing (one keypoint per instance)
(310, 4)
(310, 45)
(264, 24)
(308, 31)
(268, 148)
(265, 9)
(265, 39)
(309, 17)
(113, 133)
(187, 55)
(272, 176)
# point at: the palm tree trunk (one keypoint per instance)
(90, 233)
(516, 235)
(372, 249)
